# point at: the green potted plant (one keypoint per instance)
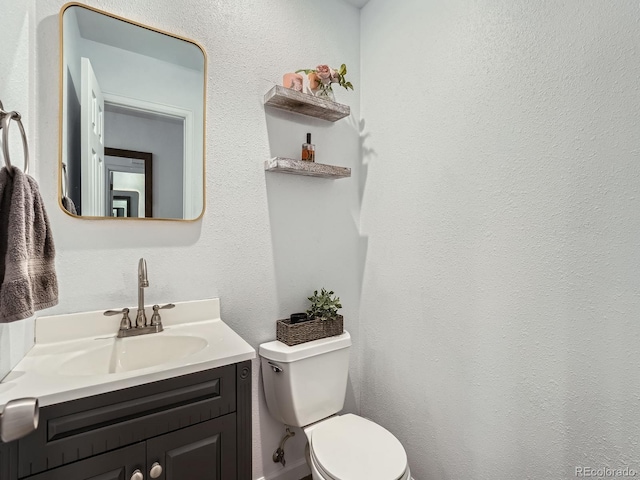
(323, 306)
(324, 321)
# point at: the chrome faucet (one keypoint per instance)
(140, 327)
(143, 282)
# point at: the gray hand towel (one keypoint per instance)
(28, 279)
(69, 206)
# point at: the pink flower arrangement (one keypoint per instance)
(323, 76)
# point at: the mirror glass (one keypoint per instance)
(132, 133)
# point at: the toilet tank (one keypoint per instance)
(306, 382)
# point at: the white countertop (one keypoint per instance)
(61, 338)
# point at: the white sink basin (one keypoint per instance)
(77, 355)
(134, 353)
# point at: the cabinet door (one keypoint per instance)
(117, 465)
(206, 451)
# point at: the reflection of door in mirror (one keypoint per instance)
(129, 183)
(132, 88)
(92, 143)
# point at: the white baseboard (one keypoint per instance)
(295, 471)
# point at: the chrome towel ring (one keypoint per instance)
(5, 119)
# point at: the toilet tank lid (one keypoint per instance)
(280, 352)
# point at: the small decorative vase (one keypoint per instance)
(325, 93)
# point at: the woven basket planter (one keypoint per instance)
(294, 334)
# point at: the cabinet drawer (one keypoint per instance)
(90, 426)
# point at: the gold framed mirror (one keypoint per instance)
(130, 87)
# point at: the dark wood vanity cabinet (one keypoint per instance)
(193, 427)
(205, 451)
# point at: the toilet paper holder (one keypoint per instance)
(19, 418)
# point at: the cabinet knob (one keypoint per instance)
(137, 475)
(156, 470)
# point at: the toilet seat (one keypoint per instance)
(350, 447)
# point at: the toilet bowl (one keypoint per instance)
(349, 447)
(305, 386)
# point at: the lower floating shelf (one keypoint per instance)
(301, 167)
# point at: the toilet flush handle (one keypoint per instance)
(276, 368)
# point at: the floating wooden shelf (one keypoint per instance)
(305, 104)
(310, 169)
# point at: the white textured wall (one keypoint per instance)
(265, 241)
(500, 308)
(17, 90)
(500, 196)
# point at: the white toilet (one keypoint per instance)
(305, 386)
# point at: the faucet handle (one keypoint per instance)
(125, 323)
(155, 318)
